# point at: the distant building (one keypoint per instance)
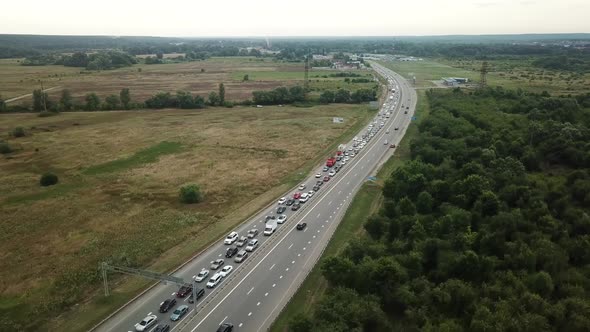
(454, 81)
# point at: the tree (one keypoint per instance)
(246, 78)
(185, 99)
(300, 323)
(213, 98)
(112, 102)
(125, 98)
(160, 55)
(92, 102)
(65, 101)
(424, 202)
(327, 97)
(18, 132)
(221, 94)
(2, 104)
(406, 207)
(342, 96)
(190, 194)
(38, 100)
(5, 148)
(48, 179)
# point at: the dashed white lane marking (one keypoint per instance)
(330, 203)
(287, 269)
(265, 294)
(298, 255)
(355, 174)
(309, 242)
(194, 276)
(348, 182)
(240, 324)
(314, 236)
(173, 293)
(273, 285)
(272, 266)
(322, 226)
(305, 230)
(290, 246)
(319, 214)
(318, 230)
(339, 192)
(281, 277)
(249, 314)
(220, 255)
(250, 291)
(219, 323)
(303, 248)
(257, 304)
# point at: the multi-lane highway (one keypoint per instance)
(256, 290)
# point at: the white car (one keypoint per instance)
(214, 280)
(310, 193)
(282, 200)
(281, 219)
(253, 244)
(332, 173)
(318, 175)
(202, 275)
(226, 270)
(146, 323)
(302, 187)
(385, 143)
(231, 238)
(347, 158)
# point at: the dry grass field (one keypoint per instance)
(197, 77)
(117, 196)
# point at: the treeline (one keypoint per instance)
(95, 61)
(281, 95)
(92, 102)
(486, 229)
(345, 96)
(564, 62)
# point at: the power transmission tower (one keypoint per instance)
(483, 75)
(105, 267)
(306, 74)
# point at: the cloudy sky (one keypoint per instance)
(293, 18)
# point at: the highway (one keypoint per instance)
(257, 289)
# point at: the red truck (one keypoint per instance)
(331, 162)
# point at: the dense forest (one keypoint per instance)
(486, 229)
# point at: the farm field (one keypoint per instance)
(197, 77)
(510, 74)
(117, 196)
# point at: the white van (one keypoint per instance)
(270, 227)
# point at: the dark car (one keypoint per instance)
(326, 178)
(184, 291)
(405, 112)
(396, 128)
(231, 252)
(167, 305)
(301, 226)
(162, 328)
(319, 183)
(200, 293)
(316, 188)
(295, 206)
(407, 107)
(270, 217)
(290, 202)
(281, 209)
(226, 327)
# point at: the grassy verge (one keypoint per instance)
(367, 201)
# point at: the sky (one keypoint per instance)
(200, 18)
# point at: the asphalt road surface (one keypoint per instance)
(257, 289)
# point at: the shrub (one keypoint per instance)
(190, 193)
(18, 132)
(5, 148)
(48, 179)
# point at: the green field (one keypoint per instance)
(123, 170)
(509, 74)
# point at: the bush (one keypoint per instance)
(5, 148)
(190, 193)
(18, 132)
(48, 179)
